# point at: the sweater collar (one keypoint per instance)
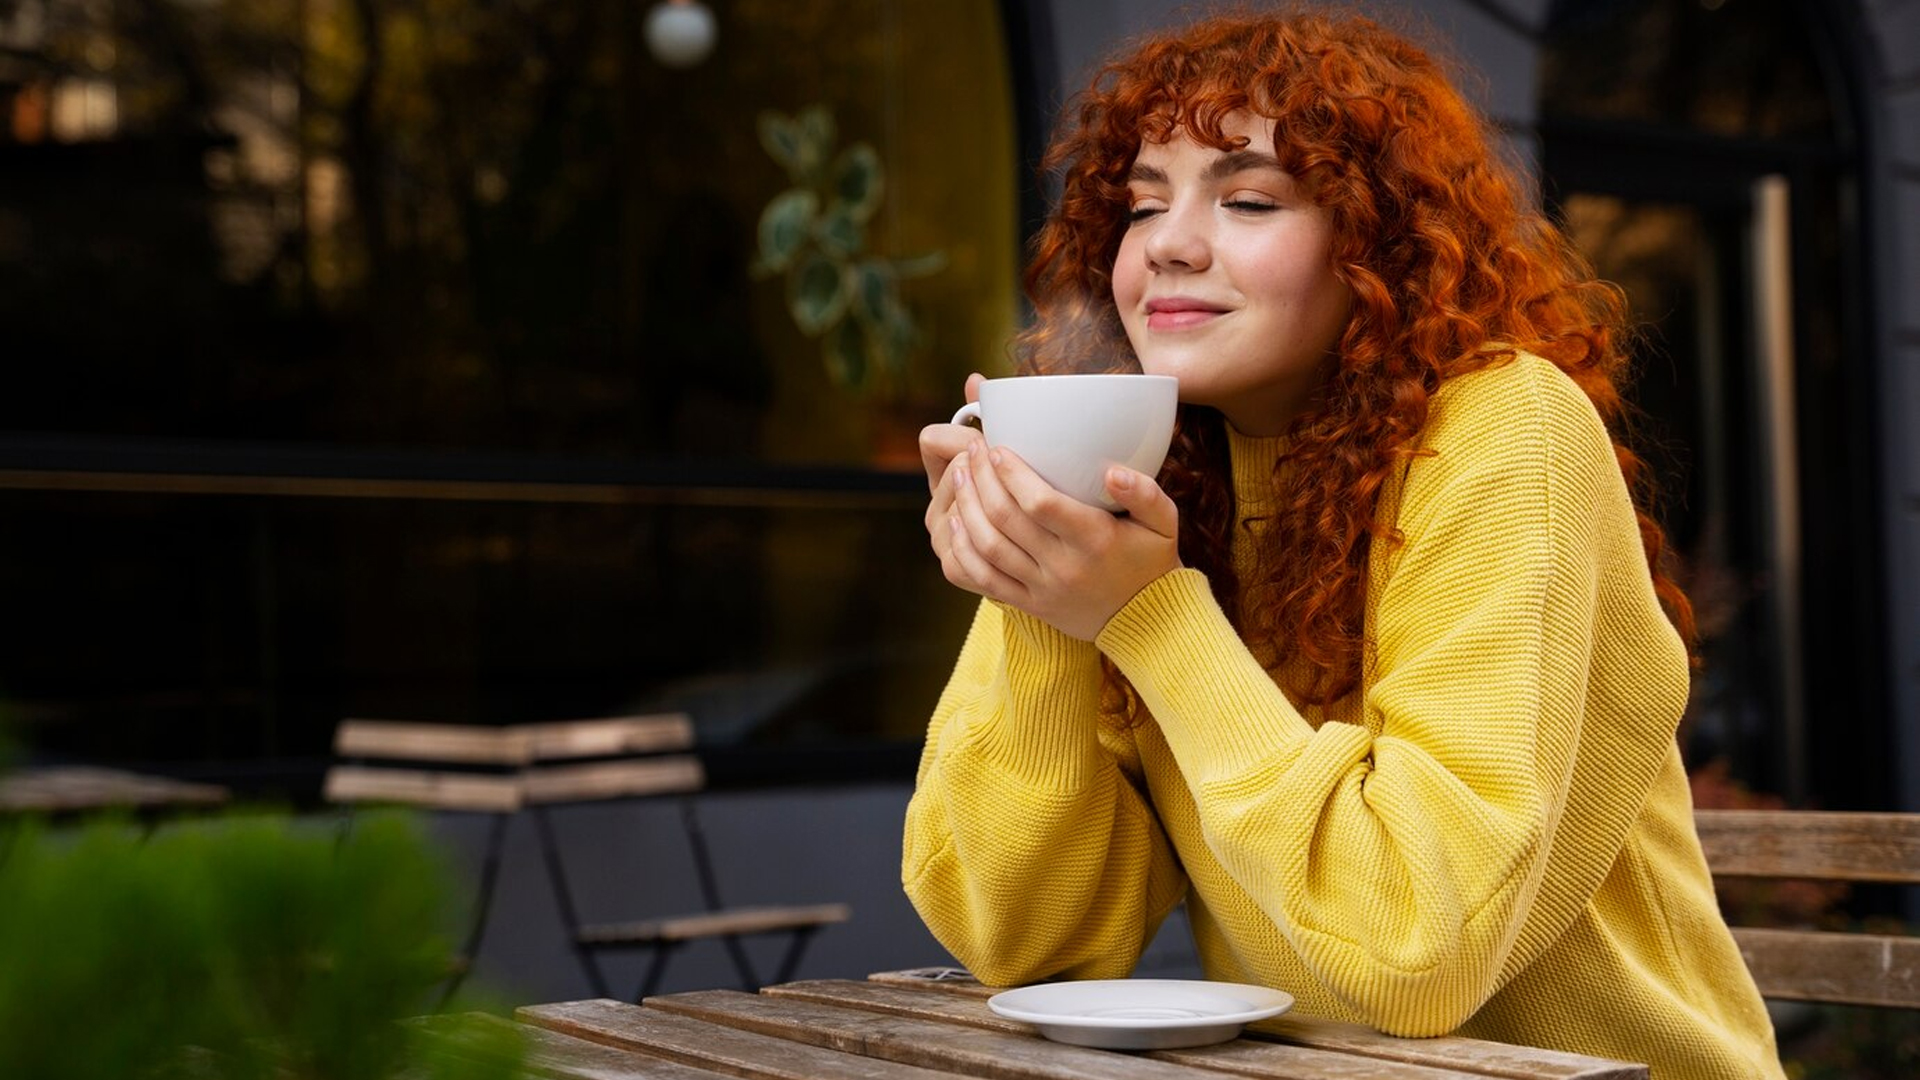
(1253, 460)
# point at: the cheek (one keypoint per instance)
(1300, 275)
(1129, 278)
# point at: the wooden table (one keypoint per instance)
(66, 789)
(929, 1023)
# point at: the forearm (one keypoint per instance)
(1027, 852)
(1396, 878)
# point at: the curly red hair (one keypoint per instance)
(1451, 269)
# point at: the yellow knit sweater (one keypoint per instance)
(1493, 836)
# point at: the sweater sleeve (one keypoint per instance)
(1028, 851)
(1404, 857)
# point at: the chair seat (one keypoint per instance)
(740, 920)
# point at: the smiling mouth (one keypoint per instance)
(1181, 318)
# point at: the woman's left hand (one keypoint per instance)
(1016, 539)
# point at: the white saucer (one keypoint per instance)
(1140, 1014)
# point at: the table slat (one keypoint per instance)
(564, 1057)
(1479, 1056)
(947, 980)
(717, 1047)
(1482, 1056)
(63, 789)
(991, 1052)
(1244, 1057)
(911, 1041)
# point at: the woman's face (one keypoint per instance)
(1225, 277)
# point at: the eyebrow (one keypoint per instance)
(1225, 165)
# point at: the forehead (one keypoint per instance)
(1241, 130)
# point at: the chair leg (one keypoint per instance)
(656, 969)
(795, 947)
(749, 979)
(563, 896)
(482, 904)
(595, 977)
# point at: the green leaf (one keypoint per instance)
(784, 226)
(897, 337)
(857, 180)
(844, 348)
(817, 293)
(815, 125)
(840, 233)
(781, 138)
(875, 292)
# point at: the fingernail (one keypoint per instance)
(1120, 478)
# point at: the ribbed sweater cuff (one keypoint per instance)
(1048, 735)
(1221, 713)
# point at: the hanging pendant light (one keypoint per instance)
(680, 33)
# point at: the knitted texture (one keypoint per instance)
(1493, 836)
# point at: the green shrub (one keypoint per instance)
(248, 945)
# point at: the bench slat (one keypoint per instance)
(1854, 969)
(1811, 844)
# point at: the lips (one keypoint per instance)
(1181, 313)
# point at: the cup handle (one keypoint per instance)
(969, 411)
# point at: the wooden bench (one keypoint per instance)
(1812, 965)
(651, 759)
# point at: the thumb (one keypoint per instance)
(1143, 500)
(973, 385)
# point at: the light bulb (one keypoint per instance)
(680, 33)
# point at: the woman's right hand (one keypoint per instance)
(939, 445)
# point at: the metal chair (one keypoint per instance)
(647, 757)
(449, 768)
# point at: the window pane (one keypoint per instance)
(506, 226)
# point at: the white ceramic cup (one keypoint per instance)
(1072, 428)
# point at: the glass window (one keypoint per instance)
(1701, 156)
(485, 362)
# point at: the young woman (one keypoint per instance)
(1381, 674)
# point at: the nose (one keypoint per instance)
(1179, 240)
